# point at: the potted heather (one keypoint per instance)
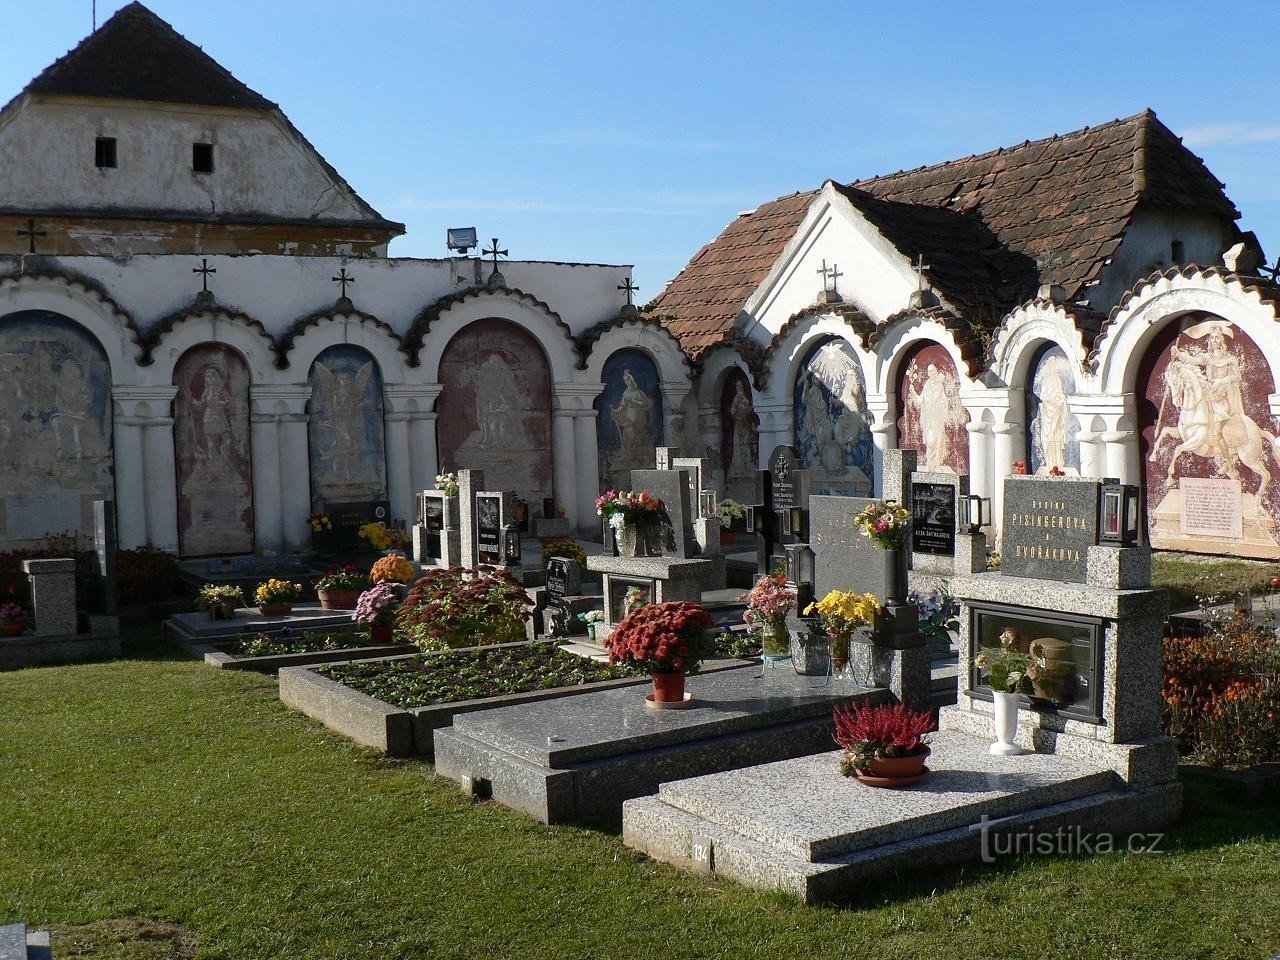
(667, 639)
(629, 514)
(884, 744)
(276, 597)
(1009, 672)
(340, 587)
(219, 601)
(768, 603)
(842, 612)
(376, 608)
(13, 620)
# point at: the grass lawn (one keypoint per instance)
(154, 807)
(1188, 576)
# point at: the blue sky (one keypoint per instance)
(632, 132)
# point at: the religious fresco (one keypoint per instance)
(494, 413)
(55, 426)
(1052, 432)
(345, 428)
(739, 438)
(931, 419)
(629, 418)
(1211, 458)
(832, 435)
(211, 444)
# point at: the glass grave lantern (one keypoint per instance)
(800, 571)
(975, 513)
(707, 504)
(1118, 515)
(511, 545)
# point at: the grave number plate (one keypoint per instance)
(702, 854)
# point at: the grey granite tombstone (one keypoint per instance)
(672, 488)
(53, 596)
(1049, 525)
(103, 600)
(437, 539)
(843, 558)
(469, 482)
(564, 578)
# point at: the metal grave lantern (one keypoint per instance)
(1118, 515)
(511, 544)
(707, 504)
(800, 571)
(975, 513)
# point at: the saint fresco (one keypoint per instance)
(739, 438)
(1212, 456)
(629, 416)
(832, 435)
(1052, 439)
(55, 426)
(211, 444)
(932, 420)
(494, 413)
(345, 428)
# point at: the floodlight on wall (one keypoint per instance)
(462, 239)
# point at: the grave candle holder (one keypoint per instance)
(975, 513)
(511, 544)
(1118, 515)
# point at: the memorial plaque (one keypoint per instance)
(672, 488)
(564, 579)
(348, 518)
(1049, 525)
(784, 474)
(1211, 508)
(636, 591)
(433, 521)
(489, 529)
(933, 518)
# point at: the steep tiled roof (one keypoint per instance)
(991, 227)
(700, 305)
(137, 56)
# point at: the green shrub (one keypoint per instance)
(564, 547)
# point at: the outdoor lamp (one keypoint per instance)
(975, 512)
(1118, 519)
(795, 521)
(752, 520)
(707, 504)
(800, 571)
(511, 544)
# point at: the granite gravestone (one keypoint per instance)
(933, 518)
(564, 579)
(787, 520)
(102, 597)
(348, 518)
(1049, 526)
(489, 528)
(672, 488)
(433, 525)
(843, 559)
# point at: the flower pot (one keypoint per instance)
(628, 539)
(668, 687)
(1006, 724)
(728, 536)
(775, 641)
(338, 599)
(897, 768)
(275, 609)
(839, 646)
(380, 635)
(11, 629)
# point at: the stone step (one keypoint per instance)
(39, 946)
(806, 808)
(13, 942)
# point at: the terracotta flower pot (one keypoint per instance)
(897, 768)
(275, 609)
(728, 536)
(668, 687)
(380, 635)
(11, 629)
(338, 599)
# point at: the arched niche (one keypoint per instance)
(830, 419)
(931, 418)
(1209, 453)
(55, 427)
(346, 428)
(739, 437)
(629, 416)
(1052, 432)
(494, 411)
(211, 439)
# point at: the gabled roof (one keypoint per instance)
(991, 227)
(137, 56)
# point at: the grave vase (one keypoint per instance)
(896, 588)
(839, 646)
(668, 687)
(1006, 724)
(775, 640)
(628, 538)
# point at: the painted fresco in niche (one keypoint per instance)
(1052, 432)
(1210, 453)
(932, 419)
(739, 438)
(345, 427)
(494, 413)
(211, 443)
(55, 426)
(629, 417)
(832, 428)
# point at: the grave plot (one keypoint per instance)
(192, 630)
(269, 651)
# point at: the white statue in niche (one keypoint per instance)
(934, 397)
(630, 415)
(742, 413)
(1203, 385)
(1053, 417)
(342, 400)
(496, 397)
(212, 413)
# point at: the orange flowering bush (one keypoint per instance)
(1222, 694)
(393, 567)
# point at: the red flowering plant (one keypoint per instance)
(1019, 468)
(1057, 471)
(880, 731)
(670, 637)
(461, 608)
(345, 576)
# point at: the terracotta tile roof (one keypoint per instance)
(137, 56)
(992, 227)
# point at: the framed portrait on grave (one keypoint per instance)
(933, 518)
(1066, 648)
(489, 529)
(629, 591)
(433, 521)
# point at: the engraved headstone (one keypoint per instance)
(564, 579)
(672, 488)
(348, 518)
(103, 594)
(933, 518)
(1049, 525)
(433, 524)
(843, 558)
(489, 528)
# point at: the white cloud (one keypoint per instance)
(1231, 134)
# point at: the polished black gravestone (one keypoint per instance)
(933, 518)
(347, 519)
(489, 528)
(1049, 525)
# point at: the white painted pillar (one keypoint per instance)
(130, 497)
(587, 457)
(1005, 446)
(564, 474)
(264, 442)
(775, 429)
(982, 478)
(294, 460)
(416, 402)
(1116, 443)
(399, 493)
(422, 438)
(1090, 458)
(160, 472)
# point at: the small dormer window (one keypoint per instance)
(202, 158)
(104, 153)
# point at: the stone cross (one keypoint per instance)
(30, 234)
(204, 270)
(921, 267)
(344, 278)
(831, 273)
